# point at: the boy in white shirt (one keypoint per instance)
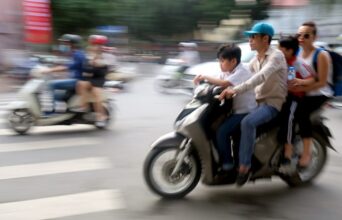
(233, 73)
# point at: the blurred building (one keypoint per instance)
(24, 21)
(287, 15)
(11, 24)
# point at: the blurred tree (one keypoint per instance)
(78, 16)
(146, 19)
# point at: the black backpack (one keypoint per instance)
(336, 60)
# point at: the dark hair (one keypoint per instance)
(269, 37)
(229, 52)
(312, 25)
(290, 42)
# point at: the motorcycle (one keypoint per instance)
(174, 78)
(178, 160)
(336, 102)
(35, 106)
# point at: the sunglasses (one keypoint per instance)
(305, 36)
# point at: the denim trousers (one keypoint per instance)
(228, 127)
(62, 84)
(262, 114)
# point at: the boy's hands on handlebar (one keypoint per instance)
(198, 79)
(227, 93)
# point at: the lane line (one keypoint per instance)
(51, 129)
(63, 206)
(56, 167)
(51, 143)
(2, 113)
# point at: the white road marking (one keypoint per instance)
(63, 206)
(56, 167)
(41, 145)
(50, 129)
(3, 113)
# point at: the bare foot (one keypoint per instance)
(305, 160)
(243, 169)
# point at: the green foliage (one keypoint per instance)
(78, 16)
(145, 19)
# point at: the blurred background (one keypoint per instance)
(99, 173)
(149, 30)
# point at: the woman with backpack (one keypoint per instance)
(317, 91)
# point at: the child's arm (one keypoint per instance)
(212, 80)
(307, 78)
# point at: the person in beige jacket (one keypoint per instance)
(269, 80)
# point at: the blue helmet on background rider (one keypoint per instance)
(69, 42)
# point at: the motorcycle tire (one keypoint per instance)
(192, 169)
(307, 175)
(109, 113)
(21, 121)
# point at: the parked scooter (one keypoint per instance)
(179, 159)
(173, 78)
(32, 110)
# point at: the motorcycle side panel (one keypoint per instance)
(54, 120)
(192, 128)
(265, 148)
(266, 145)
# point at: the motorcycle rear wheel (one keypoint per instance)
(307, 175)
(109, 119)
(159, 179)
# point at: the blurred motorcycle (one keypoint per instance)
(180, 158)
(174, 78)
(32, 108)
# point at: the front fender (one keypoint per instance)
(169, 140)
(17, 105)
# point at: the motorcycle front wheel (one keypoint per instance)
(159, 166)
(21, 120)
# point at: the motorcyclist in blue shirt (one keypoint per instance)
(70, 44)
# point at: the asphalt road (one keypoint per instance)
(78, 172)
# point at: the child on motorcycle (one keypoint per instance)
(290, 47)
(233, 73)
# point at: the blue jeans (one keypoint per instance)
(225, 131)
(262, 114)
(62, 84)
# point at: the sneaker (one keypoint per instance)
(100, 124)
(243, 178)
(79, 109)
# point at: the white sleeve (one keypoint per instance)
(237, 78)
